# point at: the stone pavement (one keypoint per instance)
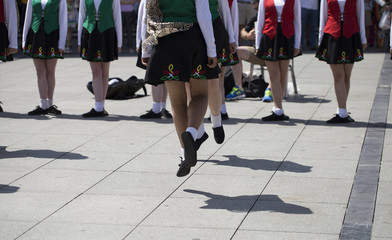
(66, 177)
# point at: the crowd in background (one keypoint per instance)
(377, 38)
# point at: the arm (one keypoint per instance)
(226, 17)
(63, 24)
(361, 22)
(260, 24)
(139, 26)
(117, 22)
(204, 18)
(297, 25)
(323, 19)
(12, 25)
(82, 17)
(235, 19)
(27, 23)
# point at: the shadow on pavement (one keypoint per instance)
(246, 203)
(39, 153)
(262, 164)
(4, 189)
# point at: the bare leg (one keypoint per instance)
(214, 96)
(340, 83)
(40, 67)
(50, 76)
(278, 75)
(100, 73)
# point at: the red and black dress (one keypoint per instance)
(8, 32)
(278, 29)
(342, 31)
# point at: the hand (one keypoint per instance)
(391, 52)
(252, 34)
(212, 62)
(61, 51)
(364, 46)
(119, 49)
(145, 61)
(296, 51)
(233, 47)
(11, 51)
(137, 50)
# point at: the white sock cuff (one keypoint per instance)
(216, 121)
(193, 131)
(278, 111)
(43, 103)
(223, 108)
(200, 131)
(342, 112)
(50, 102)
(163, 105)
(99, 106)
(156, 107)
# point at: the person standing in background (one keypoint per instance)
(8, 31)
(342, 39)
(309, 18)
(245, 13)
(99, 42)
(129, 21)
(44, 34)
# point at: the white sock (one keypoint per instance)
(193, 131)
(43, 103)
(98, 106)
(156, 107)
(216, 121)
(50, 102)
(200, 131)
(278, 111)
(183, 154)
(163, 105)
(342, 112)
(223, 108)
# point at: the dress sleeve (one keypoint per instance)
(12, 23)
(235, 20)
(139, 25)
(63, 23)
(204, 18)
(260, 24)
(82, 17)
(297, 24)
(361, 20)
(27, 22)
(226, 15)
(323, 19)
(117, 21)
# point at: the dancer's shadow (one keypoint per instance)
(39, 153)
(5, 189)
(262, 164)
(244, 203)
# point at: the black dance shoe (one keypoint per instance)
(166, 114)
(150, 114)
(199, 141)
(94, 113)
(275, 117)
(219, 134)
(38, 111)
(338, 119)
(53, 110)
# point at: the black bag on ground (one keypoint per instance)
(119, 89)
(229, 82)
(256, 88)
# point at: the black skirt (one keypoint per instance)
(3, 42)
(225, 58)
(278, 48)
(42, 45)
(340, 50)
(179, 57)
(99, 47)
